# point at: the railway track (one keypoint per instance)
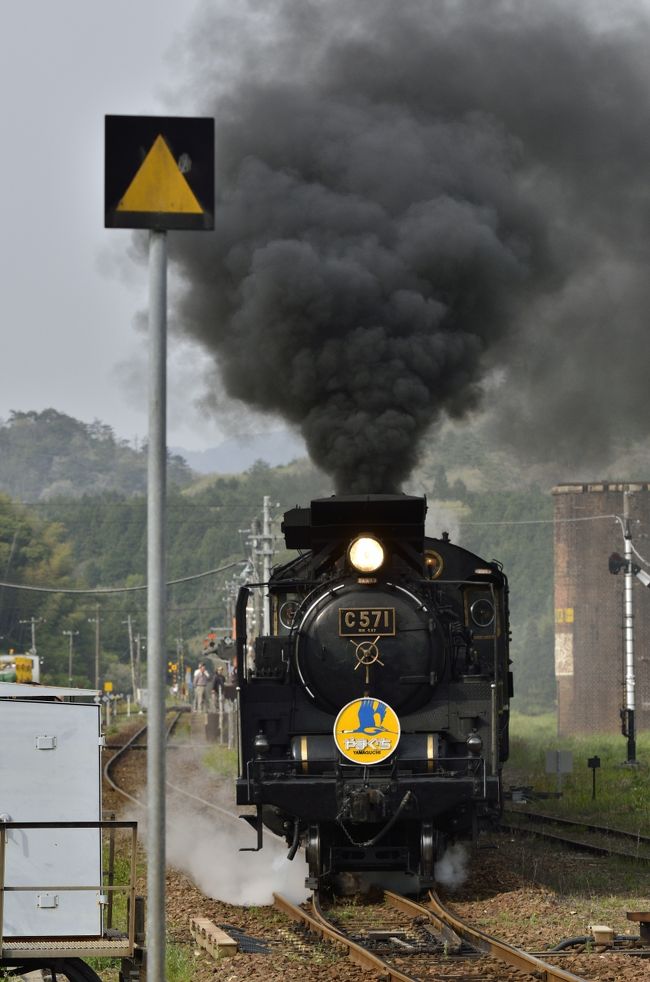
(396, 940)
(132, 744)
(404, 941)
(596, 839)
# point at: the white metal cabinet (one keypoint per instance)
(50, 772)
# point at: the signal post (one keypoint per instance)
(159, 175)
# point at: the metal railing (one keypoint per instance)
(100, 888)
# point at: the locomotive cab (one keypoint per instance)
(374, 716)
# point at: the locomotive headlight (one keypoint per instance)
(366, 554)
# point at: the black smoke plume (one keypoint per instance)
(418, 197)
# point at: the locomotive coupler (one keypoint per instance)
(364, 804)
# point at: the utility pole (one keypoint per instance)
(95, 620)
(628, 614)
(138, 658)
(180, 660)
(256, 552)
(251, 571)
(71, 635)
(267, 555)
(33, 621)
(131, 658)
(630, 570)
(261, 542)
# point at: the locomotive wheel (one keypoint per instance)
(428, 849)
(313, 853)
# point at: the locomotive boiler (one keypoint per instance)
(374, 718)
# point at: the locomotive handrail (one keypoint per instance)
(102, 888)
(242, 638)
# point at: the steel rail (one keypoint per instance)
(577, 844)
(129, 745)
(498, 949)
(446, 932)
(545, 819)
(108, 766)
(443, 922)
(316, 923)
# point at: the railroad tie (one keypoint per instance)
(215, 941)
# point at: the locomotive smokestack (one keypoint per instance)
(411, 196)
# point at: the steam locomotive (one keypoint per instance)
(374, 719)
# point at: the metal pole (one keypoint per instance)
(156, 483)
(97, 647)
(95, 620)
(267, 553)
(138, 653)
(33, 621)
(131, 658)
(70, 634)
(258, 601)
(629, 633)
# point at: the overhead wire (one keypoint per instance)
(99, 591)
(544, 521)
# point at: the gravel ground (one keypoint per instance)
(508, 893)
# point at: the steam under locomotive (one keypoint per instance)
(374, 722)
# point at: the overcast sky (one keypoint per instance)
(68, 311)
(71, 292)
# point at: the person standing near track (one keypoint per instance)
(218, 683)
(201, 679)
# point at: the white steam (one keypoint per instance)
(442, 519)
(205, 843)
(451, 870)
(208, 851)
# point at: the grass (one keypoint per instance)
(180, 963)
(622, 790)
(221, 760)
(601, 889)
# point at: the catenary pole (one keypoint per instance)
(156, 606)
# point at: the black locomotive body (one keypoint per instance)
(374, 720)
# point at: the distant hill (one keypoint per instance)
(48, 455)
(237, 454)
(471, 456)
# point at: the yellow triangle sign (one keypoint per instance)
(159, 186)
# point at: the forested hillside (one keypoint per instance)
(97, 538)
(100, 541)
(524, 545)
(48, 454)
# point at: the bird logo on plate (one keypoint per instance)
(367, 731)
